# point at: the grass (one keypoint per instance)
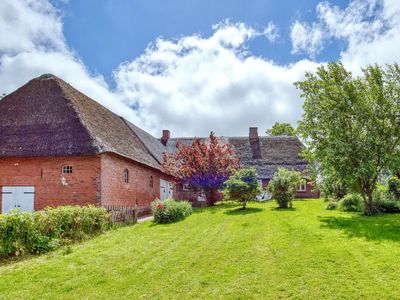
(224, 252)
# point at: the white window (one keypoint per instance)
(186, 187)
(302, 186)
(260, 183)
(67, 169)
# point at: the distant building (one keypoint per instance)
(264, 153)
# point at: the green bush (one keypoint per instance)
(393, 187)
(387, 205)
(39, 232)
(351, 202)
(169, 211)
(283, 186)
(242, 186)
(331, 205)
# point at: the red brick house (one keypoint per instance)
(265, 154)
(59, 147)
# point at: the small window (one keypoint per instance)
(186, 187)
(151, 181)
(302, 186)
(126, 176)
(67, 169)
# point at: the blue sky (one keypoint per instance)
(105, 33)
(221, 66)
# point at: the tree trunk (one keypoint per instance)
(244, 204)
(211, 196)
(369, 209)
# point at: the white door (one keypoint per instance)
(163, 189)
(170, 190)
(18, 197)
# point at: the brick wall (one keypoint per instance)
(138, 191)
(52, 187)
(94, 180)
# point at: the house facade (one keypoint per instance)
(59, 147)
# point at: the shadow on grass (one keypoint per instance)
(214, 209)
(12, 260)
(243, 211)
(284, 209)
(376, 228)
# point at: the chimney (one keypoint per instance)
(254, 142)
(165, 137)
(253, 133)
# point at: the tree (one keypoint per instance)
(352, 124)
(202, 166)
(242, 186)
(281, 129)
(283, 185)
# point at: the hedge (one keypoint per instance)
(38, 232)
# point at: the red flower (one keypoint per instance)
(160, 206)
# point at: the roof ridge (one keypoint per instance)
(143, 143)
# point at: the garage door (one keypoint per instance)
(18, 197)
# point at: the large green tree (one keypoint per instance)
(281, 129)
(352, 124)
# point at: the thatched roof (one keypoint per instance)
(271, 153)
(48, 117)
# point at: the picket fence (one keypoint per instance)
(122, 214)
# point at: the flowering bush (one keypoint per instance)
(203, 166)
(169, 211)
(42, 231)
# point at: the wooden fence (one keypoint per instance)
(122, 214)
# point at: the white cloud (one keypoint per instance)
(32, 43)
(195, 84)
(271, 32)
(191, 85)
(370, 28)
(307, 38)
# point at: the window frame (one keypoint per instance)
(67, 169)
(151, 181)
(126, 176)
(302, 187)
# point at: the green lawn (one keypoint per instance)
(222, 252)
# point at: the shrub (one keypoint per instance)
(43, 231)
(242, 186)
(169, 211)
(331, 187)
(393, 187)
(351, 202)
(331, 205)
(283, 186)
(387, 205)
